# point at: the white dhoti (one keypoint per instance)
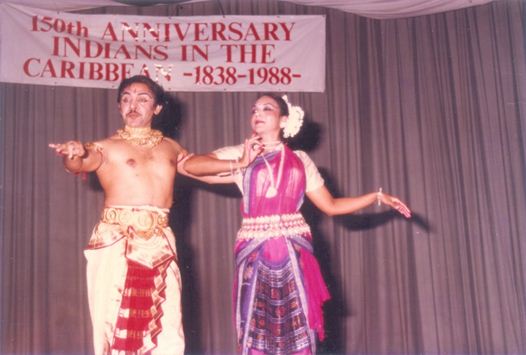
(134, 283)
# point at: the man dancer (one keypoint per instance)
(134, 283)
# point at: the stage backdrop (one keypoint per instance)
(431, 108)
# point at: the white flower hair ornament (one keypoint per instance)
(292, 125)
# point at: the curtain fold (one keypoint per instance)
(431, 109)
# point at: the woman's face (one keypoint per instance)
(266, 117)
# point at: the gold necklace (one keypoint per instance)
(141, 136)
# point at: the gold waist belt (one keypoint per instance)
(145, 222)
(285, 225)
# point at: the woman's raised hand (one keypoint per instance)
(252, 148)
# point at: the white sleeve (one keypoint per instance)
(232, 152)
(313, 176)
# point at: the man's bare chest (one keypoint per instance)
(142, 159)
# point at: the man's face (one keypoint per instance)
(137, 105)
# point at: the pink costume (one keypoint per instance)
(134, 284)
(278, 288)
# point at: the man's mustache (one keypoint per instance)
(133, 112)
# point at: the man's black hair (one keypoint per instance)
(156, 89)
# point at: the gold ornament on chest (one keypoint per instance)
(141, 136)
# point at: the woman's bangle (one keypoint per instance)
(239, 170)
(379, 197)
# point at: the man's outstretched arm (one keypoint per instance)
(78, 157)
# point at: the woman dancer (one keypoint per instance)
(279, 290)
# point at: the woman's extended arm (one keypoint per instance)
(210, 164)
(322, 198)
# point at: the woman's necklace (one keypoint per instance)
(274, 185)
(272, 145)
(141, 136)
(268, 146)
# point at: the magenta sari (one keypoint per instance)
(278, 291)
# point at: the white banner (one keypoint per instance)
(210, 53)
